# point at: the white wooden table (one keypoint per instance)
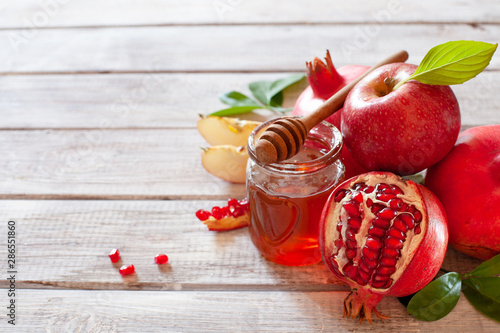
(99, 149)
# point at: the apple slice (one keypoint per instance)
(225, 130)
(226, 162)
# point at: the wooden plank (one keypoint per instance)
(150, 101)
(32, 13)
(177, 311)
(108, 164)
(64, 244)
(216, 48)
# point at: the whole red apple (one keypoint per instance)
(467, 181)
(404, 130)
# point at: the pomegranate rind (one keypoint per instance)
(227, 223)
(467, 181)
(423, 256)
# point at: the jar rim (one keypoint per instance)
(335, 145)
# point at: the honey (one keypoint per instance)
(286, 199)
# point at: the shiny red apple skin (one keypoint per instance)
(467, 181)
(403, 131)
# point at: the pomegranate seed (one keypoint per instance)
(225, 211)
(418, 216)
(411, 209)
(350, 244)
(363, 266)
(369, 254)
(387, 214)
(369, 189)
(385, 197)
(377, 208)
(339, 243)
(364, 275)
(350, 254)
(404, 208)
(382, 186)
(396, 204)
(386, 190)
(369, 202)
(354, 223)
(380, 278)
(127, 270)
(385, 270)
(381, 223)
(370, 263)
(352, 273)
(352, 208)
(203, 215)
(400, 225)
(378, 284)
(357, 196)
(373, 244)
(418, 230)
(340, 195)
(347, 268)
(233, 202)
(359, 186)
(386, 261)
(376, 232)
(396, 190)
(237, 212)
(350, 235)
(408, 220)
(361, 281)
(334, 262)
(114, 255)
(393, 243)
(391, 253)
(388, 284)
(161, 259)
(244, 204)
(339, 227)
(393, 232)
(217, 213)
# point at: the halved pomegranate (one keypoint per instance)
(384, 236)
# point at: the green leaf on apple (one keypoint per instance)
(453, 62)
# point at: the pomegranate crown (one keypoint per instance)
(323, 77)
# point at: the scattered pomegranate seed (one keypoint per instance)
(114, 255)
(203, 215)
(127, 270)
(161, 259)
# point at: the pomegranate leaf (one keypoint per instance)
(453, 63)
(488, 268)
(484, 294)
(271, 93)
(235, 98)
(437, 299)
(235, 110)
(278, 86)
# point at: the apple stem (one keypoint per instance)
(400, 83)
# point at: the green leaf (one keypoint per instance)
(271, 93)
(488, 268)
(235, 110)
(235, 98)
(437, 299)
(260, 89)
(453, 63)
(484, 294)
(279, 85)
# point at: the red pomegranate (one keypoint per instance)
(324, 81)
(467, 181)
(384, 236)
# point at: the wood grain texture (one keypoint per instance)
(217, 48)
(174, 311)
(65, 244)
(153, 100)
(108, 164)
(20, 14)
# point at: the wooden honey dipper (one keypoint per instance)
(284, 138)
